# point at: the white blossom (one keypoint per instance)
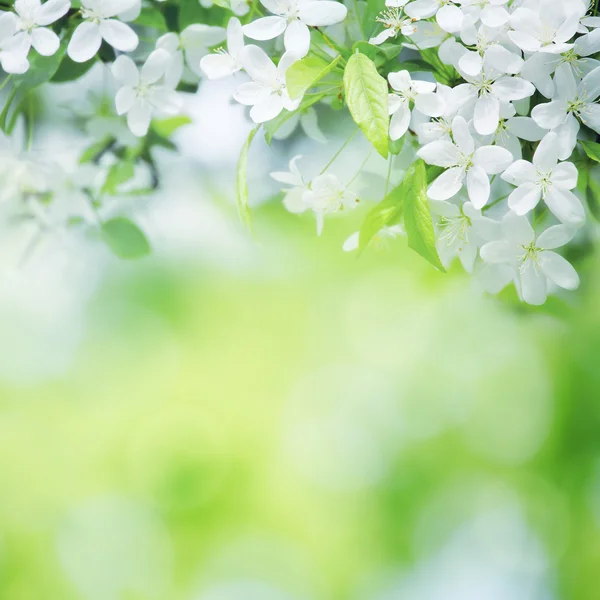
(531, 258)
(100, 24)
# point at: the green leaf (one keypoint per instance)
(95, 150)
(150, 17)
(167, 127)
(304, 73)
(41, 70)
(592, 149)
(374, 7)
(387, 212)
(241, 181)
(69, 70)
(119, 173)
(396, 146)
(272, 126)
(367, 98)
(125, 238)
(417, 216)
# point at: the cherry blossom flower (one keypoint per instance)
(143, 92)
(99, 24)
(266, 93)
(464, 161)
(33, 20)
(294, 17)
(532, 258)
(545, 179)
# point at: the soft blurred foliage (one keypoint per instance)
(274, 419)
(305, 425)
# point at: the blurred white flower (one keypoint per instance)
(143, 92)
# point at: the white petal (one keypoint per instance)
(125, 99)
(546, 155)
(125, 71)
(565, 206)
(450, 18)
(297, 38)
(559, 270)
(85, 42)
(555, 237)
(550, 115)
(218, 65)
(525, 198)
(119, 35)
(52, 11)
(440, 153)
(322, 13)
(565, 176)
(478, 186)
(400, 122)
(155, 66)
(519, 173)
(497, 252)
(462, 136)
(430, 104)
(45, 41)
(267, 109)
(447, 185)
(534, 286)
(138, 119)
(493, 159)
(266, 28)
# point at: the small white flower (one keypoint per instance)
(461, 231)
(395, 23)
(190, 47)
(294, 17)
(99, 24)
(266, 93)
(545, 179)
(143, 93)
(13, 51)
(464, 161)
(488, 91)
(572, 102)
(531, 258)
(407, 91)
(549, 28)
(324, 195)
(223, 63)
(33, 19)
(448, 16)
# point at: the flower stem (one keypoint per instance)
(336, 155)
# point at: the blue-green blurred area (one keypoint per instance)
(298, 423)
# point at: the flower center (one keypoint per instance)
(544, 181)
(91, 15)
(392, 18)
(529, 257)
(455, 230)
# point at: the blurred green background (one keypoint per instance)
(287, 421)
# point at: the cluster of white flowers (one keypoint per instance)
(476, 130)
(497, 97)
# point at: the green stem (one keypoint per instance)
(389, 174)
(497, 201)
(6, 80)
(360, 168)
(4, 113)
(335, 156)
(333, 45)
